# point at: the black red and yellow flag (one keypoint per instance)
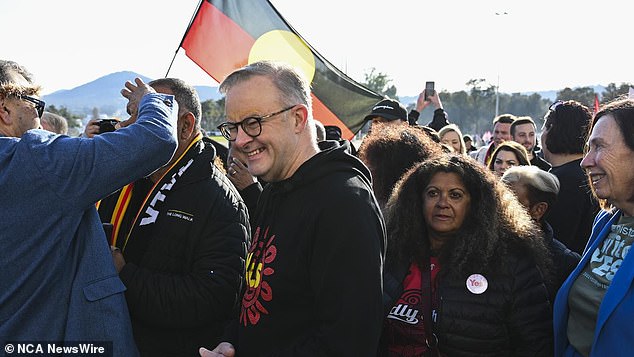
(227, 34)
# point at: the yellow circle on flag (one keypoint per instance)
(279, 45)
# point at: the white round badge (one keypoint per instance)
(477, 283)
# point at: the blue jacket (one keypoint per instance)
(57, 278)
(613, 334)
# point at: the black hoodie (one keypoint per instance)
(314, 270)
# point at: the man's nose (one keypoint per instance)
(242, 138)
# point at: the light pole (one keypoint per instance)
(497, 97)
(497, 87)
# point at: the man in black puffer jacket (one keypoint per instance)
(179, 242)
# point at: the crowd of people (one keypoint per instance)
(156, 241)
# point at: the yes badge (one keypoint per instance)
(477, 283)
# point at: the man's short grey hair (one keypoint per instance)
(7, 84)
(532, 176)
(7, 67)
(541, 186)
(293, 86)
(185, 95)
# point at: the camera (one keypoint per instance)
(106, 125)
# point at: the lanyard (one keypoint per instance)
(119, 210)
(156, 186)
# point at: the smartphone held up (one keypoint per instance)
(429, 89)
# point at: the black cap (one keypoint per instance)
(333, 132)
(388, 109)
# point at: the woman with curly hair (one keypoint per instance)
(390, 151)
(465, 267)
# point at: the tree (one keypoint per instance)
(74, 121)
(473, 111)
(379, 82)
(583, 95)
(612, 92)
(212, 114)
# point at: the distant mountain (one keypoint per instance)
(105, 94)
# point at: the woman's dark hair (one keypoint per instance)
(495, 222)
(567, 123)
(518, 149)
(389, 151)
(622, 110)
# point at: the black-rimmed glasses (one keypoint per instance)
(251, 126)
(39, 104)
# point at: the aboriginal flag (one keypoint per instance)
(227, 34)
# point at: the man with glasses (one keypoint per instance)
(314, 268)
(23, 109)
(56, 272)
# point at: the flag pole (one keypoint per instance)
(171, 63)
(183, 39)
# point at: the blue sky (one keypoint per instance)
(537, 45)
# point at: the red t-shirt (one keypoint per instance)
(403, 328)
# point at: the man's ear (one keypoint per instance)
(188, 124)
(300, 115)
(538, 210)
(4, 113)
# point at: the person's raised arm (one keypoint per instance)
(434, 99)
(100, 165)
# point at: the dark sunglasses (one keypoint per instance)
(39, 104)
